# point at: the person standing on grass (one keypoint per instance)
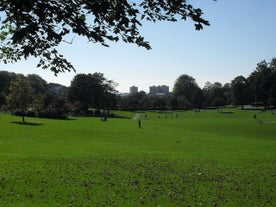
(139, 123)
(137, 117)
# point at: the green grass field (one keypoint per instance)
(198, 159)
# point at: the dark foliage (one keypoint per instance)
(37, 27)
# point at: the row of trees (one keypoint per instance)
(91, 93)
(31, 95)
(258, 89)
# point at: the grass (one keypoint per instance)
(202, 158)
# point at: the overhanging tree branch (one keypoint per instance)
(37, 27)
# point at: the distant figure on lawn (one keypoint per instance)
(139, 123)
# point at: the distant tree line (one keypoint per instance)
(95, 95)
(257, 89)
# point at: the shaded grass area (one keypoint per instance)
(26, 123)
(199, 159)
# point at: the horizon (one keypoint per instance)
(147, 90)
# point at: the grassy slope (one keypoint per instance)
(199, 159)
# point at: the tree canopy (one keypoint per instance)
(240, 90)
(262, 83)
(185, 86)
(91, 90)
(36, 27)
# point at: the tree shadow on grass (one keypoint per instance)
(26, 123)
(226, 112)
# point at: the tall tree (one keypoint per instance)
(240, 91)
(91, 90)
(217, 95)
(37, 27)
(78, 92)
(20, 96)
(207, 93)
(214, 94)
(228, 93)
(185, 86)
(260, 82)
(198, 98)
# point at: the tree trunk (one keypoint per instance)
(23, 114)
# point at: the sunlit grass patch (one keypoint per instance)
(202, 158)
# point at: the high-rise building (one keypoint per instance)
(159, 90)
(133, 90)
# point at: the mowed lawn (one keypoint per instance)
(184, 158)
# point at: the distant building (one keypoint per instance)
(159, 90)
(133, 90)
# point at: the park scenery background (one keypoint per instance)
(85, 145)
(81, 143)
(95, 95)
(222, 157)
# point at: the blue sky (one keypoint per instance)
(242, 33)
